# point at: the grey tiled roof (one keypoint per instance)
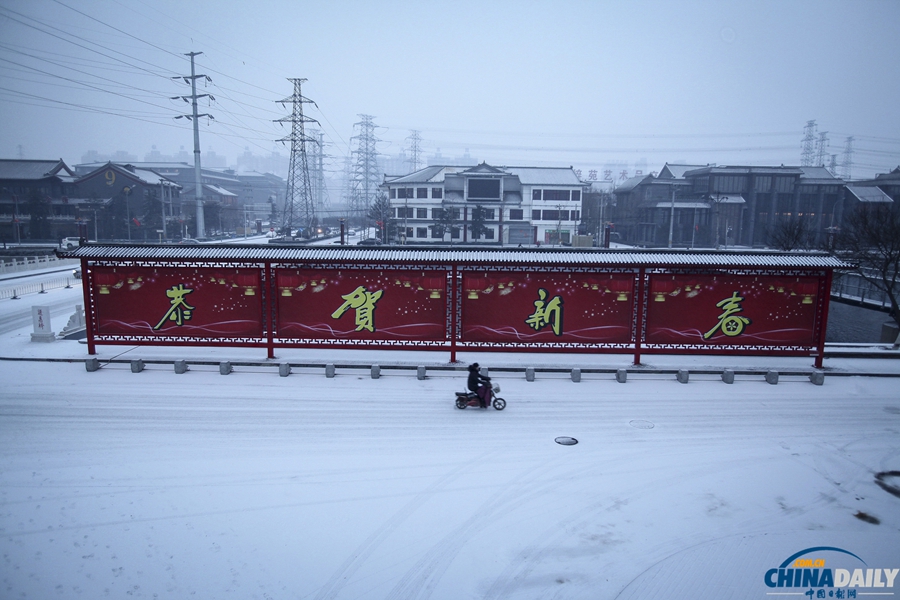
(598, 258)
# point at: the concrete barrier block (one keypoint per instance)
(728, 376)
(376, 371)
(817, 377)
(529, 374)
(772, 377)
(576, 375)
(420, 372)
(621, 375)
(137, 366)
(284, 369)
(181, 367)
(329, 371)
(225, 367)
(682, 376)
(91, 365)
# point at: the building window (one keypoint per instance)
(535, 215)
(556, 195)
(437, 214)
(535, 194)
(484, 189)
(489, 234)
(488, 214)
(421, 192)
(393, 193)
(437, 192)
(576, 195)
(405, 212)
(515, 214)
(421, 232)
(551, 215)
(454, 233)
(435, 233)
(564, 215)
(405, 193)
(421, 213)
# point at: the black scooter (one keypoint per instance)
(464, 399)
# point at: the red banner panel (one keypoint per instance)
(528, 307)
(351, 304)
(731, 310)
(177, 302)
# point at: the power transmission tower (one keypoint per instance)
(415, 149)
(807, 154)
(821, 148)
(365, 178)
(298, 203)
(847, 159)
(198, 183)
(317, 173)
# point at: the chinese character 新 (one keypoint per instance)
(730, 323)
(546, 313)
(180, 311)
(363, 302)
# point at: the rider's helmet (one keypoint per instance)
(474, 367)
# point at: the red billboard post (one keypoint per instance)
(360, 306)
(175, 304)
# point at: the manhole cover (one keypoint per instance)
(566, 441)
(639, 424)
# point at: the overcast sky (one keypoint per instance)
(596, 84)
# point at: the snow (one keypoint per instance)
(251, 485)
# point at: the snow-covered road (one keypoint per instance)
(251, 485)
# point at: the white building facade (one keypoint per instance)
(518, 205)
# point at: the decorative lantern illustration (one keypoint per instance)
(106, 281)
(435, 286)
(621, 287)
(808, 290)
(248, 281)
(660, 287)
(476, 285)
(287, 283)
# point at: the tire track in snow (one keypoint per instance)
(358, 558)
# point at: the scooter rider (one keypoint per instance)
(478, 383)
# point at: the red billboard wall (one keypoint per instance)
(523, 307)
(352, 304)
(731, 310)
(177, 302)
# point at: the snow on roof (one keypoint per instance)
(868, 193)
(33, 169)
(597, 258)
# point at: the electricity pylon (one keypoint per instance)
(299, 207)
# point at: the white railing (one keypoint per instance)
(29, 263)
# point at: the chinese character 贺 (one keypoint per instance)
(363, 302)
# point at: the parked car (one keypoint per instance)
(70, 242)
(369, 242)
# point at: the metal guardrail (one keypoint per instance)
(13, 292)
(854, 287)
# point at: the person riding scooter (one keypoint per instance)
(478, 383)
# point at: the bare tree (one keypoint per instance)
(791, 233)
(870, 237)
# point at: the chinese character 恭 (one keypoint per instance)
(546, 313)
(730, 323)
(363, 302)
(180, 311)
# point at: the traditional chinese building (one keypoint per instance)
(723, 206)
(37, 200)
(515, 205)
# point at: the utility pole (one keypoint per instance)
(672, 217)
(198, 191)
(299, 197)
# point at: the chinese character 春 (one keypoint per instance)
(730, 323)
(546, 313)
(363, 302)
(179, 311)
